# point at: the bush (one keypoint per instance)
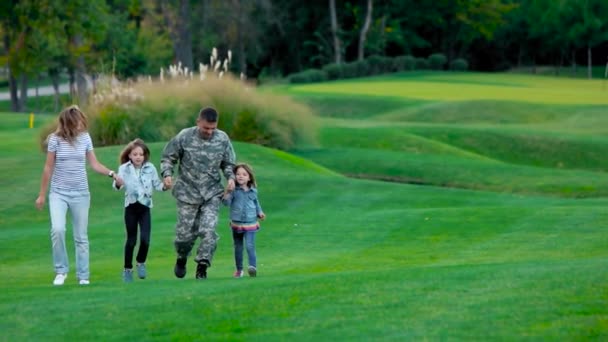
(459, 64)
(333, 71)
(361, 68)
(308, 76)
(404, 63)
(421, 63)
(161, 109)
(350, 70)
(379, 65)
(437, 61)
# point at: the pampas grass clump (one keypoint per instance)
(157, 110)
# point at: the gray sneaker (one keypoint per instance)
(252, 271)
(127, 276)
(141, 271)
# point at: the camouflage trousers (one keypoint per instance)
(197, 221)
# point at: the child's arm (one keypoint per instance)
(156, 182)
(227, 198)
(258, 207)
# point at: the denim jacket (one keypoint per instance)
(139, 186)
(244, 205)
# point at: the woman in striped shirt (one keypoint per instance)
(69, 148)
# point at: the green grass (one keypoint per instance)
(40, 104)
(464, 130)
(468, 86)
(342, 258)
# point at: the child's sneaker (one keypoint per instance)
(84, 282)
(60, 279)
(252, 271)
(141, 271)
(238, 274)
(127, 275)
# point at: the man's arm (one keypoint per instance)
(170, 156)
(228, 161)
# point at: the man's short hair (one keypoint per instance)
(208, 114)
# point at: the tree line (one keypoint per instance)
(275, 38)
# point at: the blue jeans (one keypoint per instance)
(78, 203)
(249, 238)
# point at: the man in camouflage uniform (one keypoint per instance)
(202, 151)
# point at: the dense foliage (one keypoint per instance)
(275, 38)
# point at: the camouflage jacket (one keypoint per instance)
(200, 162)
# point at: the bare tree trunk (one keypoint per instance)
(364, 30)
(241, 41)
(81, 81)
(179, 31)
(334, 32)
(13, 88)
(589, 63)
(23, 93)
(520, 54)
(12, 82)
(383, 34)
(573, 62)
(184, 54)
(72, 81)
(55, 80)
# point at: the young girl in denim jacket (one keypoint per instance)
(140, 179)
(245, 210)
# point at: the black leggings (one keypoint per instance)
(135, 214)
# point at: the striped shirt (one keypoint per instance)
(70, 171)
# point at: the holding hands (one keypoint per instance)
(168, 182)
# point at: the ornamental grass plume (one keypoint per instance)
(157, 109)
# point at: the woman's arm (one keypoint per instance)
(121, 175)
(49, 165)
(101, 169)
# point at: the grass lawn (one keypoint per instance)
(340, 258)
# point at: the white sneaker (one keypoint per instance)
(60, 279)
(84, 282)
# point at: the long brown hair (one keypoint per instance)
(124, 155)
(72, 122)
(249, 170)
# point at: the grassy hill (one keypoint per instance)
(498, 132)
(344, 258)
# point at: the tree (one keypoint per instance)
(335, 31)
(364, 30)
(588, 25)
(177, 20)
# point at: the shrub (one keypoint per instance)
(333, 71)
(404, 63)
(162, 109)
(437, 61)
(459, 64)
(350, 70)
(308, 76)
(361, 68)
(379, 64)
(421, 63)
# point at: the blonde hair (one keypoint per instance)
(72, 122)
(124, 155)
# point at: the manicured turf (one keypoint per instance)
(343, 258)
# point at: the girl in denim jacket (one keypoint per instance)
(140, 179)
(245, 210)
